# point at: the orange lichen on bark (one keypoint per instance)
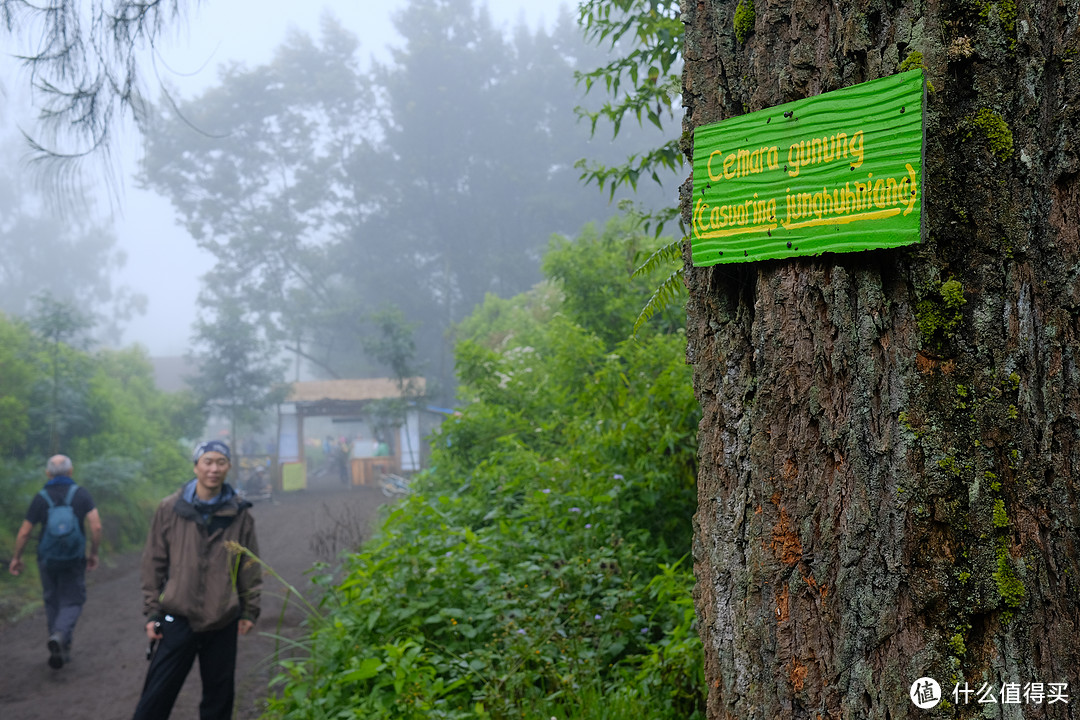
(925, 364)
(823, 590)
(785, 541)
(782, 605)
(797, 676)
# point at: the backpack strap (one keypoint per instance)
(67, 499)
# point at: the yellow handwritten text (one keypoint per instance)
(873, 199)
(743, 162)
(825, 150)
(756, 215)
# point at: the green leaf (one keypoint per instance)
(671, 288)
(369, 667)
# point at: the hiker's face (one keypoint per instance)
(210, 471)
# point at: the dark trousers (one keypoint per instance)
(64, 591)
(172, 662)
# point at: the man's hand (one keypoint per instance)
(92, 562)
(21, 537)
(153, 630)
(245, 627)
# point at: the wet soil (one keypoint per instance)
(105, 676)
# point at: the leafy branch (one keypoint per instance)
(654, 29)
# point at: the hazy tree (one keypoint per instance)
(253, 167)
(425, 182)
(16, 381)
(507, 106)
(393, 346)
(239, 374)
(69, 253)
(888, 484)
(61, 406)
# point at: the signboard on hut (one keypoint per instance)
(839, 172)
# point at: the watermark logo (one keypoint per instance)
(1011, 693)
(925, 693)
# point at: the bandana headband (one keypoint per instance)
(210, 446)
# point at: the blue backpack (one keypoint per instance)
(62, 540)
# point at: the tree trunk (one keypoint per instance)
(889, 438)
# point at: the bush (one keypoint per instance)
(538, 568)
(122, 434)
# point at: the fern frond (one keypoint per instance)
(671, 288)
(664, 255)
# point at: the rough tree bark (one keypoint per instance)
(891, 440)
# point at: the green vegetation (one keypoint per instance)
(103, 411)
(653, 31)
(540, 566)
(744, 20)
(956, 643)
(1001, 517)
(913, 61)
(939, 319)
(1009, 585)
(1006, 14)
(996, 131)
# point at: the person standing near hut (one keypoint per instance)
(199, 591)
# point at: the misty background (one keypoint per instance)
(325, 184)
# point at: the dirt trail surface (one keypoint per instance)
(105, 676)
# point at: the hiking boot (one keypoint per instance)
(56, 649)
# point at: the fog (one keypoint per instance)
(217, 43)
(163, 261)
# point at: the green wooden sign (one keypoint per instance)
(839, 172)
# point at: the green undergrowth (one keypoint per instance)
(102, 409)
(539, 569)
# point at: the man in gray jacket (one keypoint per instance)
(198, 593)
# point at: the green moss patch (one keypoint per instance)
(744, 20)
(993, 127)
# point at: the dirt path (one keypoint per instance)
(105, 676)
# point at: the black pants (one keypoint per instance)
(172, 662)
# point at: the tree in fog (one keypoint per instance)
(61, 405)
(425, 181)
(253, 168)
(240, 376)
(69, 253)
